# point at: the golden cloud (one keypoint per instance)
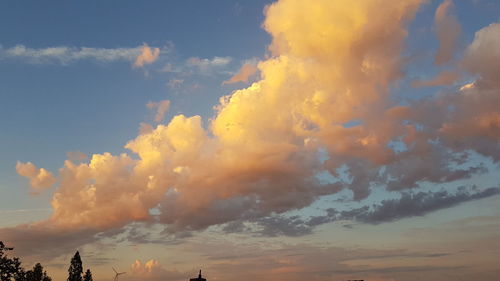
(147, 56)
(333, 62)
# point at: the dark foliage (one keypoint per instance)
(10, 268)
(75, 269)
(87, 276)
(37, 274)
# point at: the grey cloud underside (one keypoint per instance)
(51, 243)
(408, 205)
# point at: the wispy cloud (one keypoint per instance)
(208, 66)
(160, 109)
(406, 206)
(19, 211)
(66, 54)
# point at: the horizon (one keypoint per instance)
(258, 140)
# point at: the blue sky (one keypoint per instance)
(55, 104)
(91, 106)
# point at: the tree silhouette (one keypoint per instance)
(87, 276)
(10, 268)
(75, 268)
(37, 274)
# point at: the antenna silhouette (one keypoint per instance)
(117, 274)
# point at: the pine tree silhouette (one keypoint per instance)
(37, 274)
(75, 269)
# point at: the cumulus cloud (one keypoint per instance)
(260, 155)
(245, 72)
(474, 122)
(146, 56)
(482, 55)
(323, 104)
(40, 178)
(152, 270)
(447, 30)
(160, 108)
(66, 55)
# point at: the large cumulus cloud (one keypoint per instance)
(331, 64)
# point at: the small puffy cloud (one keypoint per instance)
(447, 30)
(76, 156)
(175, 83)
(145, 128)
(40, 179)
(160, 108)
(245, 72)
(147, 56)
(442, 79)
(152, 270)
(208, 66)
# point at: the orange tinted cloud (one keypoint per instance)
(147, 56)
(482, 56)
(245, 72)
(160, 107)
(448, 31)
(258, 154)
(442, 79)
(40, 179)
(475, 122)
(152, 270)
(332, 63)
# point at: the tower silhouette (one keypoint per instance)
(199, 278)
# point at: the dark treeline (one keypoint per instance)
(12, 270)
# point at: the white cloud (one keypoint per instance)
(65, 54)
(208, 66)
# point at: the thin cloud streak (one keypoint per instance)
(65, 55)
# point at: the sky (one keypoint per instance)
(256, 140)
